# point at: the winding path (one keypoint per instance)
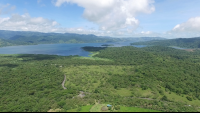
(63, 83)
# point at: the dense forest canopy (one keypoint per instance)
(158, 78)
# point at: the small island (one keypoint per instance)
(107, 45)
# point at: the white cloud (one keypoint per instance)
(192, 25)
(26, 23)
(113, 14)
(188, 29)
(148, 32)
(39, 24)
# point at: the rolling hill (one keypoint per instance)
(33, 38)
(180, 42)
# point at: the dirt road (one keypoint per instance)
(63, 83)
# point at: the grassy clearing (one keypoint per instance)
(86, 108)
(83, 109)
(179, 98)
(93, 54)
(97, 108)
(134, 109)
(92, 57)
(72, 110)
(144, 93)
(88, 78)
(124, 92)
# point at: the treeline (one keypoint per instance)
(4, 43)
(93, 49)
(180, 42)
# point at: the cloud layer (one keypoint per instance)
(192, 25)
(27, 23)
(113, 14)
(190, 28)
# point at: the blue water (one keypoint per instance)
(58, 49)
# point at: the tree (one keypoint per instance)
(109, 108)
(164, 98)
(189, 98)
(117, 107)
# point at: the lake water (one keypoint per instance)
(58, 49)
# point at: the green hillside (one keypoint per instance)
(12, 38)
(180, 42)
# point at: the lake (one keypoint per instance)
(58, 49)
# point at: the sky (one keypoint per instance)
(115, 18)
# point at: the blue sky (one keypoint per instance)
(116, 18)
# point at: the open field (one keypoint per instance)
(83, 109)
(91, 77)
(92, 57)
(86, 108)
(97, 108)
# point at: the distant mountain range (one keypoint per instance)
(9, 38)
(180, 42)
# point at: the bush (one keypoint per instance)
(161, 92)
(61, 103)
(164, 98)
(79, 109)
(189, 98)
(117, 107)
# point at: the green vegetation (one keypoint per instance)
(134, 109)
(86, 108)
(155, 78)
(107, 45)
(92, 57)
(181, 42)
(97, 108)
(4, 43)
(81, 109)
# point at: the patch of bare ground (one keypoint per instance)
(63, 83)
(189, 50)
(104, 108)
(54, 110)
(82, 94)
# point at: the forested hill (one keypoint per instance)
(180, 42)
(32, 38)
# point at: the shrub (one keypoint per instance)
(117, 107)
(164, 98)
(189, 98)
